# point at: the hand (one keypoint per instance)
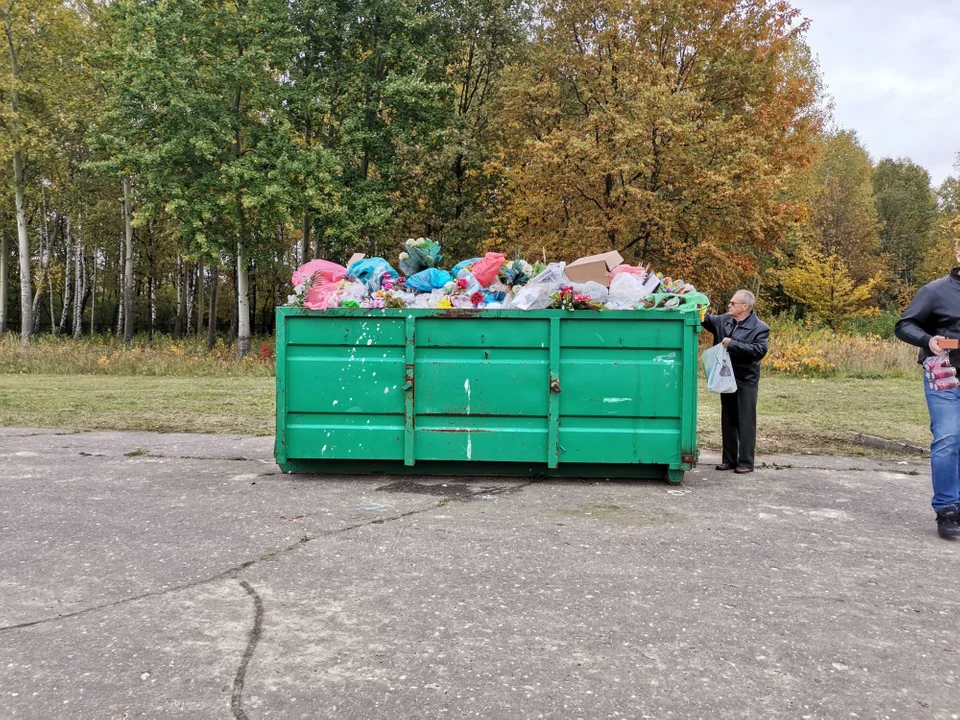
(935, 345)
(726, 341)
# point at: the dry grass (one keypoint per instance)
(800, 352)
(161, 357)
(795, 415)
(95, 402)
(821, 415)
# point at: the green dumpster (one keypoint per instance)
(554, 392)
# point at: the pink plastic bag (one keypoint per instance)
(328, 272)
(637, 270)
(320, 294)
(486, 268)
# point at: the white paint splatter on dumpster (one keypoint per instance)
(466, 387)
(616, 400)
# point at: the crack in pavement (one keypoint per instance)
(228, 573)
(253, 637)
(234, 571)
(775, 466)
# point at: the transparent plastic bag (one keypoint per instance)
(627, 288)
(719, 370)
(594, 290)
(637, 270)
(473, 286)
(353, 291)
(461, 302)
(536, 294)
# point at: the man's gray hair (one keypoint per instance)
(748, 297)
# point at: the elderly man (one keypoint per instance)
(745, 337)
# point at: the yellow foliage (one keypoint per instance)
(823, 285)
(614, 137)
(798, 351)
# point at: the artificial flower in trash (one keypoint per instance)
(419, 254)
(568, 299)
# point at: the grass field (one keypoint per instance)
(795, 415)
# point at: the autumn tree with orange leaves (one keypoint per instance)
(664, 129)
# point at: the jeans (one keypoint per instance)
(944, 407)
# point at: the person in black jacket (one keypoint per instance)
(933, 316)
(745, 337)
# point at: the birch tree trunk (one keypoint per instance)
(119, 331)
(181, 299)
(93, 294)
(199, 297)
(243, 303)
(42, 277)
(67, 276)
(152, 293)
(212, 312)
(23, 240)
(191, 278)
(23, 245)
(234, 312)
(128, 264)
(4, 288)
(151, 248)
(80, 289)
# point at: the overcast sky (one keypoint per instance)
(893, 70)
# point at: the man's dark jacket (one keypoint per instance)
(748, 344)
(935, 310)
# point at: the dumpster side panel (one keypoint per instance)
(622, 390)
(344, 393)
(481, 389)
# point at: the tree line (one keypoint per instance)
(167, 162)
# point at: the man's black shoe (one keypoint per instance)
(948, 522)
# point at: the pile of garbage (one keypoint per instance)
(491, 282)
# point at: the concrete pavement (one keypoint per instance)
(183, 576)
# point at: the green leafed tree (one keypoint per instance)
(907, 207)
(370, 87)
(196, 113)
(43, 91)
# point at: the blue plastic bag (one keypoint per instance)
(462, 265)
(370, 272)
(429, 280)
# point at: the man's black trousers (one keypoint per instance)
(738, 425)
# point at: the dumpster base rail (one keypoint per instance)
(485, 469)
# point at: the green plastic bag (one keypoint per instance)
(683, 302)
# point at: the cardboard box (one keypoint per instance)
(356, 257)
(594, 267)
(950, 344)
